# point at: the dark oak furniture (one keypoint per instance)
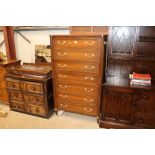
(89, 30)
(130, 49)
(29, 88)
(77, 73)
(3, 90)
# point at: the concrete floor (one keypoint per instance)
(16, 120)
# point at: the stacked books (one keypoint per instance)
(140, 79)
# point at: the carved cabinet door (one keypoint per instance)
(118, 105)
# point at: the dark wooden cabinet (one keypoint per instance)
(77, 73)
(29, 89)
(123, 105)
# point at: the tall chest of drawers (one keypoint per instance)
(3, 65)
(29, 89)
(77, 73)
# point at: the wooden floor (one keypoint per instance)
(67, 120)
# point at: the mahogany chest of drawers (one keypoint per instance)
(29, 89)
(3, 66)
(77, 73)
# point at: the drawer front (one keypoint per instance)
(76, 43)
(13, 84)
(2, 84)
(1, 72)
(68, 88)
(33, 87)
(35, 99)
(77, 77)
(147, 96)
(3, 96)
(145, 120)
(83, 55)
(17, 106)
(146, 107)
(37, 110)
(84, 67)
(77, 99)
(71, 107)
(16, 96)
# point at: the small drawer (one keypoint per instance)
(78, 43)
(37, 110)
(32, 87)
(76, 66)
(71, 107)
(62, 87)
(81, 55)
(146, 107)
(77, 77)
(13, 84)
(144, 119)
(1, 72)
(77, 99)
(147, 96)
(16, 96)
(34, 99)
(17, 106)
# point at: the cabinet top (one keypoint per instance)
(7, 63)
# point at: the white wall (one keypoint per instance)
(26, 51)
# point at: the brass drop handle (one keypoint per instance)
(87, 78)
(62, 66)
(88, 109)
(62, 76)
(88, 100)
(88, 89)
(62, 54)
(63, 87)
(37, 99)
(64, 105)
(92, 67)
(63, 96)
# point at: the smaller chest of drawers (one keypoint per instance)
(3, 65)
(30, 90)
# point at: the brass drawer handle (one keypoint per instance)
(64, 105)
(91, 67)
(92, 55)
(62, 66)
(88, 89)
(62, 54)
(87, 78)
(63, 87)
(88, 100)
(88, 109)
(63, 96)
(62, 76)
